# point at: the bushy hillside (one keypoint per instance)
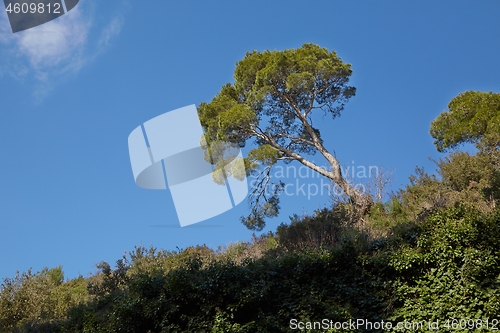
(444, 266)
(428, 259)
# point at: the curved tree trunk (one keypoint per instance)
(362, 201)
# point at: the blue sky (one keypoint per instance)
(73, 89)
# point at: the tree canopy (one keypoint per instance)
(271, 102)
(473, 117)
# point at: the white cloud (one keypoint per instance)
(54, 49)
(48, 47)
(53, 43)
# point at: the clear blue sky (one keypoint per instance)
(72, 90)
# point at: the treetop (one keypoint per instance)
(472, 116)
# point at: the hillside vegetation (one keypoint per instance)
(431, 252)
(444, 264)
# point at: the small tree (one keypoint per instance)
(272, 101)
(472, 179)
(473, 117)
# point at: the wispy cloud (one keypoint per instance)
(56, 42)
(112, 30)
(55, 49)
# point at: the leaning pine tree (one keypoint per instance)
(271, 102)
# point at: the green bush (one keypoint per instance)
(443, 265)
(451, 270)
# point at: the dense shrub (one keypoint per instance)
(443, 265)
(452, 270)
(39, 302)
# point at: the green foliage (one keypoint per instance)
(451, 270)
(263, 209)
(222, 324)
(271, 101)
(430, 253)
(263, 155)
(267, 86)
(472, 180)
(388, 215)
(325, 229)
(55, 275)
(466, 173)
(472, 116)
(38, 302)
(425, 193)
(445, 265)
(254, 296)
(243, 251)
(225, 119)
(109, 281)
(307, 74)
